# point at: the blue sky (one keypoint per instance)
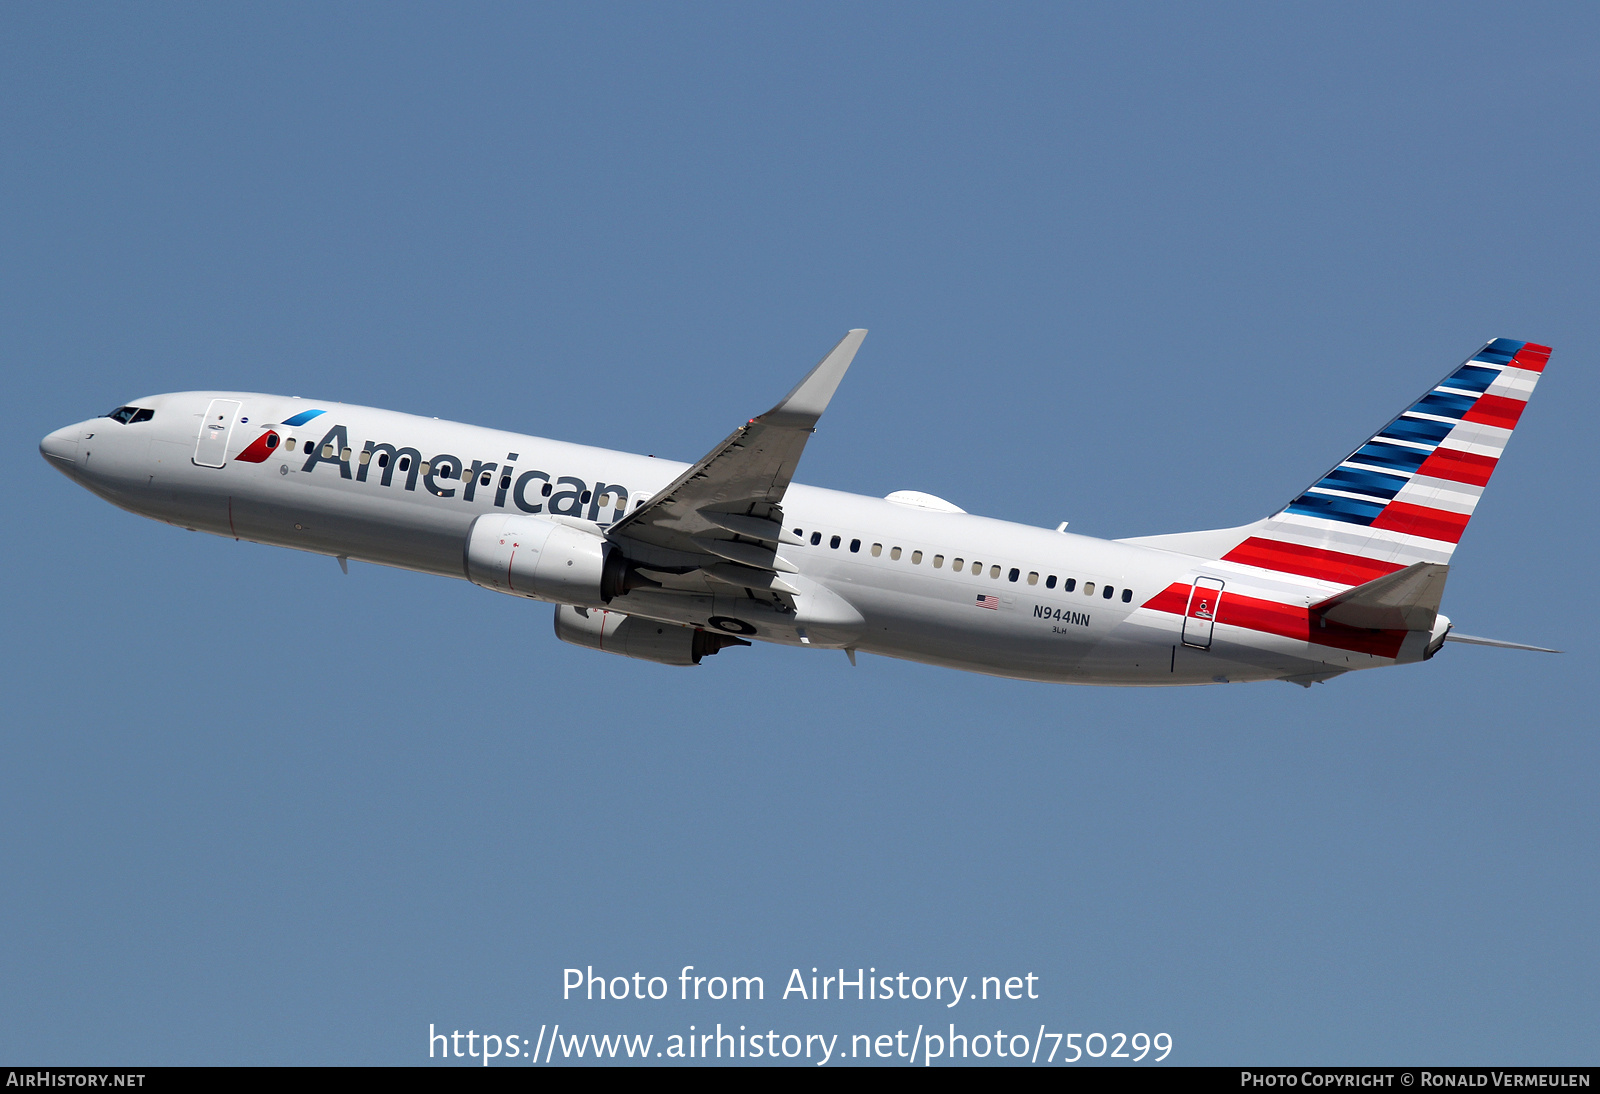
(1145, 268)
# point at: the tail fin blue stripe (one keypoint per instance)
(1394, 456)
(1329, 507)
(1358, 481)
(1417, 429)
(1445, 404)
(1472, 378)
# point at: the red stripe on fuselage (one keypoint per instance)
(1419, 520)
(1293, 621)
(1458, 466)
(1294, 558)
(1496, 410)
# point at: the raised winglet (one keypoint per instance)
(805, 404)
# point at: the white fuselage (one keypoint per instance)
(397, 509)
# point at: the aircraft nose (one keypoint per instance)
(61, 448)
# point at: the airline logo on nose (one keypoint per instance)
(260, 448)
(264, 445)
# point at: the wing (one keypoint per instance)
(723, 518)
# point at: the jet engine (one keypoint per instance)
(544, 560)
(633, 636)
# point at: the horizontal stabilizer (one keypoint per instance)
(1474, 640)
(1406, 600)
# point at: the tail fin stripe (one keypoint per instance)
(1418, 520)
(1458, 497)
(1330, 507)
(1496, 410)
(1417, 430)
(1398, 457)
(1479, 437)
(1531, 357)
(1458, 466)
(1356, 539)
(1501, 351)
(1472, 378)
(1361, 481)
(1445, 404)
(1514, 383)
(1315, 562)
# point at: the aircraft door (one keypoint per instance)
(211, 449)
(1201, 615)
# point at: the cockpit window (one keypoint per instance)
(127, 414)
(143, 415)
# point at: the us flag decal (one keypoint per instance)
(989, 602)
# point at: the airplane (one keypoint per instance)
(671, 563)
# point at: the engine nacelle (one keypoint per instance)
(538, 558)
(632, 636)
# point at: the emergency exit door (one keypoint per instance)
(211, 449)
(1201, 616)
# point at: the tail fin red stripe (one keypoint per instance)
(1458, 466)
(1532, 357)
(1317, 562)
(1419, 520)
(1496, 410)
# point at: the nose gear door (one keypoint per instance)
(211, 449)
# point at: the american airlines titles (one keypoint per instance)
(529, 491)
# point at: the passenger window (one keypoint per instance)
(142, 416)
(1069, 584)
(877, 549)
(799, 533)
(994, 571)
(583, 498)
(505, 482)
(894, 554)
(816, 538)
(955, 567)
(327, 451)
(1127, 596)
(916, 558)
(344, 454)
(289, 444)
(1014, 574)
(366, 456)
(938, 561)
(383, 459)
(1108, 592)
(1050, 582)
(425, 467)
(1088, 588)
(544, 491)
(977, 568)
(272, 440)
(855, 546)
(1033, 578)
(405, 463)
(833, 541)
(488, 477)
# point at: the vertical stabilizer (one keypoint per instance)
(1405, 495)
